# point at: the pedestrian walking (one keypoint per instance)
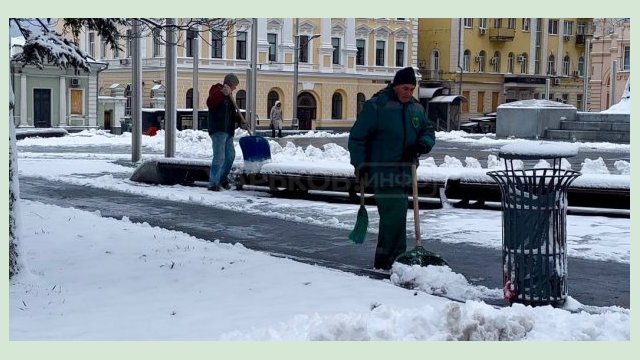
(222, 120)
(276, 119)
(389, 135)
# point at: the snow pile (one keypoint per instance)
(594, 166)
(623, 167)
(539, 149)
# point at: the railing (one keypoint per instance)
(501, 34)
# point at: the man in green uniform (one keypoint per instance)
(389, 134)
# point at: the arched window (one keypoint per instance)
(510, 60)
(336, 106)
(566, 65)
(523, 63)
(189, 99)
(360, 101)
(435, 65)
(551, 65)
(482, 58)
(241, 99)
(466, 60)
(495, 62)
(581, 66)
(272, 97)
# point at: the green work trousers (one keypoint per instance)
(392, 232)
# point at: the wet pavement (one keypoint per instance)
(591, 282)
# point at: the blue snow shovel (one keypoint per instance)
(255, 149)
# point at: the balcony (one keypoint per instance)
(501, 34)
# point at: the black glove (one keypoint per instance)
(361, 171)
(414, 151)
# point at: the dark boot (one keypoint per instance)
(279, 132)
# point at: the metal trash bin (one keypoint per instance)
(534, 211)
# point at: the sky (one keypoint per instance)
(90, 277)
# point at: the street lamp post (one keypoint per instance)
(296, 61)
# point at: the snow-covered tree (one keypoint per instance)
(44, 46)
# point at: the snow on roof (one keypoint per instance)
(538, 150)
(535, 103)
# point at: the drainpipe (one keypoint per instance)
(459, 51)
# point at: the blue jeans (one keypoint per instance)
(223, 155)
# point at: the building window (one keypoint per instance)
(241, 99)
(241, 45)
(75, 102)
(565, 98)
(581, 29)
(579, 102)
(526, 24)
(303, 51)
(380, 53)
(523, 63)
(360, 54)
(567, 28)
(553, 27)
(400, 54)
(466, 60)
(188, 101)
(190, 42)
(551, 65)
(272, 97)
(566, 62)
(482, 23)
(216, 44)
(435, 63)
(272, 39)
(480, 59)
(497, 23)
(156, 42)
(103, 49)
(495, 62)
(581, 66)
(92, 45)
(336, 106)
(468, 23)
(510, 60)
(360, 99)
(335, 43)
(511, 23)
(626, 61)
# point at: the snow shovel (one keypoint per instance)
(419, 255)
(255, 149)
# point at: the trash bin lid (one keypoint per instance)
(528, 150)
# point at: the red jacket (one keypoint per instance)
(222, 113)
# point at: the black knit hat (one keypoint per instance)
(405, 76)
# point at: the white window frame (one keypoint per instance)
(157, 44)
(92, 44)
(468, 23)
(364, 52)
(384, 53)
(404, 54)
(482, 23)
(222, 43)
(552, 27)
(510, 62)
(567, 28)
(566, 66)
(626, 58)
(335, 50)
(526, 24)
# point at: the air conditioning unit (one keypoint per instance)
(75, 82)
(483, 31)
(126, 61)
(556, 81)
(520, 58)
(567, 37)
(576, 74)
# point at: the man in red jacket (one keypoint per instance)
(222, 120)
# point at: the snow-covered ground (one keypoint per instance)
(90, 277)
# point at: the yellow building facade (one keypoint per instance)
(491, 61)
(342, 62)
